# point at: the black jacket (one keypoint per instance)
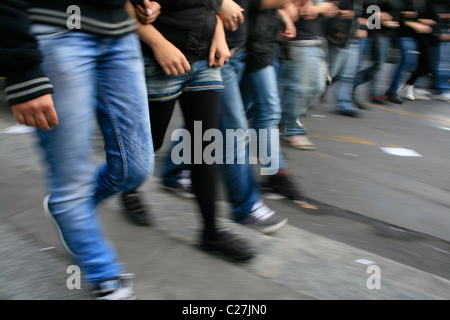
(20, 58)
(264, 27)
(341, 32)
(188, 24)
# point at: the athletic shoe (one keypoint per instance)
(393, 97)
(422, 94)
(349, 112)
(229, 245)
(134, 208)
(116, 289)
(379, 100)
(264, 219)
(442, 97)
(361, 105)
(406, 91)
(300, 142)
(282, 184)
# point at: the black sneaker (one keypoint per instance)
(264, 219)
(393, 97)
(229, 245)
(134, 209)
(120, 288)
(379, 100)
(349, 112)
(282, 184)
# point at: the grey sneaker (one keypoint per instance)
(264, 219)
(116, 289)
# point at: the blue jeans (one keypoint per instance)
(408, 61)
(302, 82)
(240, 183)
(99, 83)
(376, 47)
(162, 87)
(343, 66)
(262, 103)
(443, 66)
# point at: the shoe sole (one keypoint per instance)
(274, 228)
(50, 216)
(303, 147)
(397, 102)
(216, 252)
(349, 113)
(268, 229)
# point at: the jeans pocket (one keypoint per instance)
(44, 31)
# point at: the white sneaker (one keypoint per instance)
(116, 289)
(407, 91)
(422, 94)
(442, 97)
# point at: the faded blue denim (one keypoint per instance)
(343, 66)
(99, 85)
(302, 82)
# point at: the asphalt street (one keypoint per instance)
(366, 204)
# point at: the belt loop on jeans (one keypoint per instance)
(235, 51)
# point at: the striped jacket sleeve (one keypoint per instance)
(20, 58)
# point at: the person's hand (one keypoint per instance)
(171, 59)
(421, 28)
(327, 9)
(219, 53)
(38, 112)
(427, 22)
(231, 14)
(290, 31)
(385, 16)
(361, 34)
(148, 12)
(291, 10)
(445, 37)
(346, 14)
(410, 14)
(390, 24)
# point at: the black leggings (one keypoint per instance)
(427, 50)
(196, 106)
